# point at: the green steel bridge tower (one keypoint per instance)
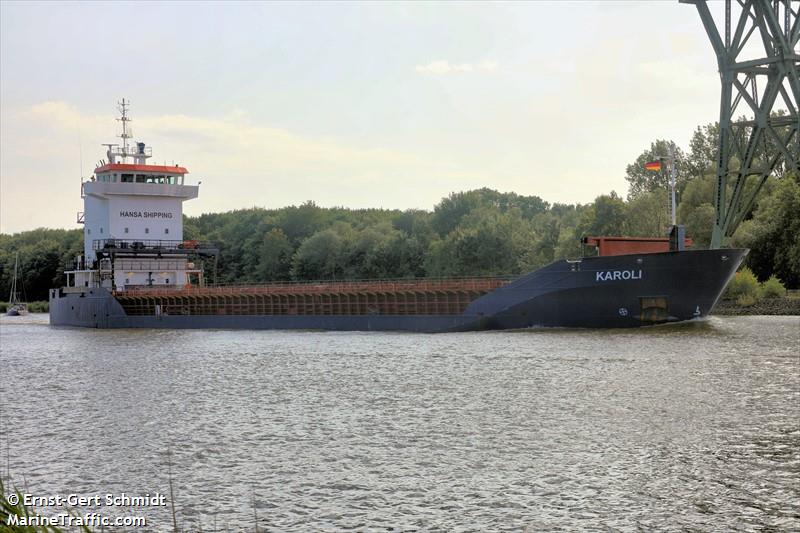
(757, 44)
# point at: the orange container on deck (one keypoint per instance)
(630, 245)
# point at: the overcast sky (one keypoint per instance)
(378, 104)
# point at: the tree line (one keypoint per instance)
(480, 232)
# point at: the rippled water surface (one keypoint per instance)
(693, 426)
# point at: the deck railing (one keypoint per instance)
(145, 244)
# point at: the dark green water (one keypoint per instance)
(688, 427)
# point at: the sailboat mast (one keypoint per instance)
(12, 296)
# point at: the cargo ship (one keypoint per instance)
(137, 271)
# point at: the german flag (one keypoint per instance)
(653, 165)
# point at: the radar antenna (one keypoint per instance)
(759, 62)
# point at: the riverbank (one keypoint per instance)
(766, 306)
(33, 307)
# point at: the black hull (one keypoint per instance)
(598, 292)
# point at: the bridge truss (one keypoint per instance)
(757, 44)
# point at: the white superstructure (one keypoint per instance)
(133, 221)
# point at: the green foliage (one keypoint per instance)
(39, 306)
(647, 215)
(321, 256)
(703, 150)
(743, 285)
(772, 233)
(698, 191)
(275, 256)
(486, 242)
(43, 254)
(699, 225)
(449, 212)
(696, 210)
(606, 216)
(772, 288)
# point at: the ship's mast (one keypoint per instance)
(139, 151)
(672, 176)
(126, 134)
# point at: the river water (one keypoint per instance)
(693, 426)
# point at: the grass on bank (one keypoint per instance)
(24, 513)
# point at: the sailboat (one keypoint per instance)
(15, 306)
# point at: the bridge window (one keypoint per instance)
(152, 178)
(127, 178)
